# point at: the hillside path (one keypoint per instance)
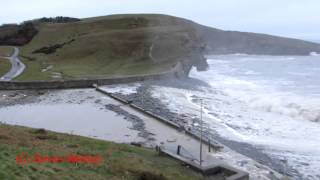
(17, 67)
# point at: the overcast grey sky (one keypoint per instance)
(292, 18)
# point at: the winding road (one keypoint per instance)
(17, 67)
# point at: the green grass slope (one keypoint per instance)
(6, 51)
(116, 45)
(119, 161)
(4, 66)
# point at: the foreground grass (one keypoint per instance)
(4, 66)
(119, 161)
(6, 51)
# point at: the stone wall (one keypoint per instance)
(85, 83)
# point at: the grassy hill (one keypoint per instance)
(119, 161)
(115, 45)
(6, 51)
(135, 44)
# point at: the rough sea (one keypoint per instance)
(272, 102)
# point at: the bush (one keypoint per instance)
(59, 19)
(17, 35)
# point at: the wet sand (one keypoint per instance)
(79, 112)
(79, 119)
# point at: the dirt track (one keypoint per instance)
(17, 67)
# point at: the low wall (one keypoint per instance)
(85, 83)
(230, 173)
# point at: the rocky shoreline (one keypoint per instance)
(137, 123)
(10, 98)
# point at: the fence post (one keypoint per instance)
(178, 149)
(209, 145)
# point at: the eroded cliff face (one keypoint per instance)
(175, 41)
(196, 59)
(197, 49)
(194, 48)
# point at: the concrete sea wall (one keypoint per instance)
(176, 72)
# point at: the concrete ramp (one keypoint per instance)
(218, 169)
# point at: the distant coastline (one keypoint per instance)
(314, 40)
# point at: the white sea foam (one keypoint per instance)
(314, 54)
(123, 89)
(294, 106)
(251, 73)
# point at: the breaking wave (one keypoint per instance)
(314, 54)
(282, 104)
(287, 88)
